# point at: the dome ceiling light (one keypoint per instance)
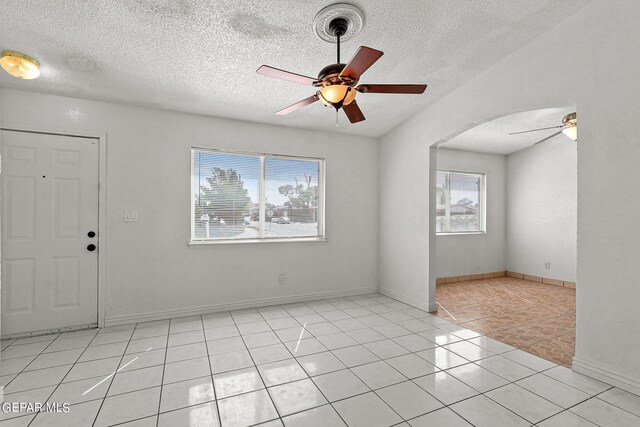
(20, 65)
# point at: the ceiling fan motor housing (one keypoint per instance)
(330, 73)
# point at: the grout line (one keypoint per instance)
(164, 367)
(613, 404)
(213, 385)
(255, 366)
(106, 395)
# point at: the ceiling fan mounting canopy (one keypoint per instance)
(338, 26)
(351, 15)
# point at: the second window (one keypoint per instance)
(460, 202)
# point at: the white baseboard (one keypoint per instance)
(606, 375)
(261, 302)
(408, 300)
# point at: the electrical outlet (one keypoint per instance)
(282, 279)
(130, 216)
(547, 265)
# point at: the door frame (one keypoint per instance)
(101, 137)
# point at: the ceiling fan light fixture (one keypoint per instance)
(571, 132)
(337, 95)
(19, 65)
(571, 121)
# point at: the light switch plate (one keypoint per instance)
(130, 216)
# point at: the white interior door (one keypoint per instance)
(49, 209)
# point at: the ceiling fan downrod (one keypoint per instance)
(339, 28)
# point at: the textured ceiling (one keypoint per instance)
(493, 136)
(200, 56)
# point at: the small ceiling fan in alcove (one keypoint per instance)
(569, 127)
(337, 82)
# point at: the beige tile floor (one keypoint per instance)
(358, 361)
(534, 317)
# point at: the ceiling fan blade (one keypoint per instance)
(547, 138)
(364, 58)
(536, 130)
(353, 112)
(417, 89)
(299, 104)
(265, 70)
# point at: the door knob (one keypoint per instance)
(91, 248)
(91, 234)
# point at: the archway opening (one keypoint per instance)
(503, 230)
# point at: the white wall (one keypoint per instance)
(542, 201)
(459, 255)
(150, 268)
(587, 60)
(405, 267)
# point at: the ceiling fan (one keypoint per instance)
(337, 82)
(569, 128)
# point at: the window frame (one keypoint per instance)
(482, 208)
(321, 237)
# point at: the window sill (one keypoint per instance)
(261, 241)
(461, 233)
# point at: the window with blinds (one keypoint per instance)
(249, 197)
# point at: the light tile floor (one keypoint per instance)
(357, 361)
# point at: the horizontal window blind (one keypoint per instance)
(291, 188)
(237, 196)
